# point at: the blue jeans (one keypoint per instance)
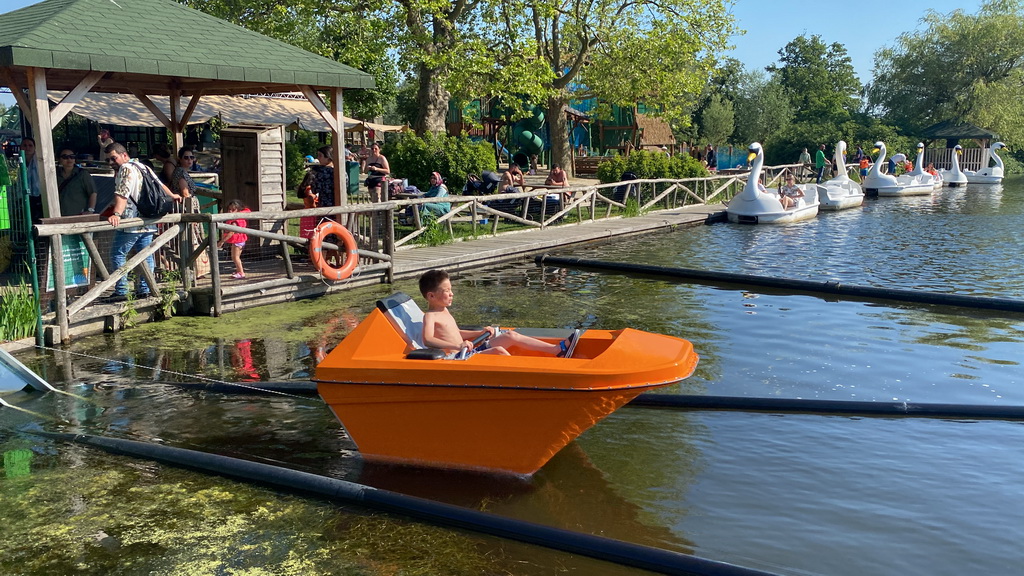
(124, 242)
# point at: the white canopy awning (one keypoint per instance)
(127, 110)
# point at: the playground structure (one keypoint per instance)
(590, 138)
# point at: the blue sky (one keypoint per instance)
(770, 25)
(860, 26)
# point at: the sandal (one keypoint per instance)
(569, 344)
(238, 276)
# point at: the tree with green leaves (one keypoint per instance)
(819, 80)
(762, 107)
(718, 120)
(961, 66)
(330, 30)
(823, 91)
(622, 52)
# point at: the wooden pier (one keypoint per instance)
(481, 231)
(517, 245)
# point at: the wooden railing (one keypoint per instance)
(374, 227)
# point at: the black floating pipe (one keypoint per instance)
(607, 549)
(844, 407)
(829, 287)
(693, 402)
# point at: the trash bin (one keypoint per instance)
(353, 176)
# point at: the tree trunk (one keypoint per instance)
(433, 101)
(558, 128)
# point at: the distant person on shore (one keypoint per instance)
(236, 240)
(711, 158)
(105, 139)
(127, 189)
(820, 162)
(865, 165)
(167, 161)
(512, 180)
(558, 177)
(805, 162)
(28, 146)
(441, 331)
(377, 169)
(181, 181)
(437, 190)
(75, 186)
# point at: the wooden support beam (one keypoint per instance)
(321, 107)
(42, 130)
(74, 97)
(149, 104)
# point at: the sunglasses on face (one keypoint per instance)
(112, 160)
(188, 157)
(67, 156)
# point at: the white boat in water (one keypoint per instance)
(954, 177)
(876, 183)
(920, 172)
(754, 206)
(988, 174)
(840, 192)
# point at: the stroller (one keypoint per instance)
(478, 186)
(624, 191)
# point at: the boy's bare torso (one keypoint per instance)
(444, 328)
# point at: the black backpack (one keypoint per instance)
(153, 200)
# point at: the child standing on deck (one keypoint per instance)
(441, 331)
(236, 240)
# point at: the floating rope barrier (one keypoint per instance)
(832, 287)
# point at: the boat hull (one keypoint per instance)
(491, 412)
(984, 179)
(776, 217)
(513, 431)
(908, 190)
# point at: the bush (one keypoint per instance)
(454, 157)
(649, 165)
(303, 143)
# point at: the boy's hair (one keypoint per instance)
(430, 280)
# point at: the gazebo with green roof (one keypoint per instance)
(125, 47)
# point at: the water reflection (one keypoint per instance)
(735, 487)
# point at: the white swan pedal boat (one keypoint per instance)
(878, 184)
(840, 192)
(752, 206)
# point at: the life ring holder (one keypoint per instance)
(316, 254)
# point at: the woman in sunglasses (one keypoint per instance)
(75, 186)
(181, 182)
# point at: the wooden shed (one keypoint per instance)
(253, 171)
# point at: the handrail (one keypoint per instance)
(373, 226)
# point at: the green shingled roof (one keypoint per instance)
(170, 44)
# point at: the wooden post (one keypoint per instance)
(215, 268)
(60, 290)
(340, 162)
(42, 130)
(389, 244)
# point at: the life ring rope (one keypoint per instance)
(348, 242)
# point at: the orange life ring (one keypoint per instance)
(325, 229)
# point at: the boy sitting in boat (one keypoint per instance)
(441, 331)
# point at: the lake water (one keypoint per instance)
(790, 494)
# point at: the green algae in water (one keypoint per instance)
(82, 512)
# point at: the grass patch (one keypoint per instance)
(17, 312)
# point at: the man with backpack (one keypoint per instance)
(128, 190)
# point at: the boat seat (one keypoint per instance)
(407, 318)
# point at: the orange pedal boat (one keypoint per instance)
(402, 403)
